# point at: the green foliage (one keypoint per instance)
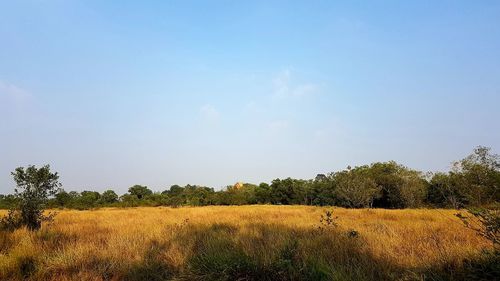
(89, 198)
(62, 198)
(7, 201)
(322, 191)
(401, 187)
(263, 193)
(140, 191)
(473, 181)
(355, 188)
(129, 200)
(328, 220)
(446, 190)
(480, 172)
(33, 187)
(289, 191)
(109, 197)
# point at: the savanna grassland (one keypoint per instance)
(258, 242)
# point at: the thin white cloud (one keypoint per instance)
(209, 113)
(305, 90)
(281, 84)
(12, 93)
(284, 86)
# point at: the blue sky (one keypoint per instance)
(116, 93)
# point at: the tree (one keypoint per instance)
(33, 187)
(263, 193)
(175, 190)
(129, 200)
(445, 190)
(288, 191)
(195, 195)
(323, 191)
(241, 194)
(89, 199)
(62, 198)
(480, 176)
(355, 189)
(109, 197)
(140, 191)
(413, 188)
(281, 191)
(401, 187)
(473, 181)
(320, 178)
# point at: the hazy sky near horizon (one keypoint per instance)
(116, 93)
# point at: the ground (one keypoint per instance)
(241, 243)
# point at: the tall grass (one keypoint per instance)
(242, 243)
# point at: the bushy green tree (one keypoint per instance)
(480, 172)
(33, 188)
(89, 199)
(175, 190)
(129, 200)
(401, 187)
(109, 197)
(473, 181)
(263, 193)
(198, 195)
(140, 191)
(289, 191)
(446, 190)
(323, 191)
(61, 199)
(355, 188)
(241, 195)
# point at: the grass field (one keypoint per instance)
(241, 243)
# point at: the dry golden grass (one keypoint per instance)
(217, 242)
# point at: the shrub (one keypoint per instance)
(34, 186)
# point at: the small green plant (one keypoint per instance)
(327, 221)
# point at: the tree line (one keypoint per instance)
(472, 181)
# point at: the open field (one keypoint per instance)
(241, 243)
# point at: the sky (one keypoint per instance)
(117, 93)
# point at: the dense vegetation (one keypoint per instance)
(473, 181)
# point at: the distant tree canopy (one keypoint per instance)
(473, 181)
(356, 188)
(139, 191)
(109, 197)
